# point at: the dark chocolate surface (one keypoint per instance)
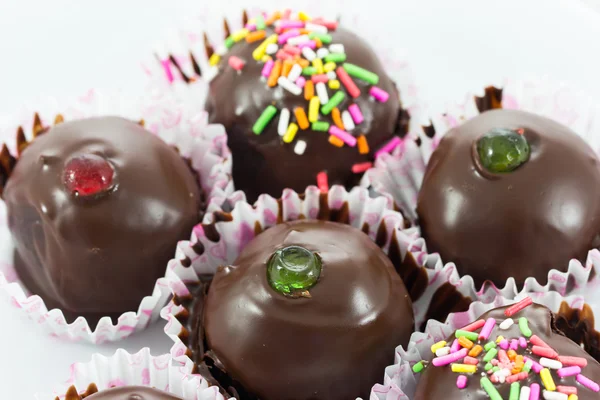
(99, 256)
(263, 163)
(440, 382)
(125, 393)
(519, 224)
(579, 325)
(334, 345)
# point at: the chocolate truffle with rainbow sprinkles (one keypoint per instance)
(510, 353)
(304, 102)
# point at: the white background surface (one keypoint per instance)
(62, 47)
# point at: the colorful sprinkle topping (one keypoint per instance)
(506, 360)
(299, 55)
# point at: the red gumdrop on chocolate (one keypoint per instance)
(88, 175)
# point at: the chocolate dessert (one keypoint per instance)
(309, 310)
(510, 352)
(96, 208)
(120, 393)
(304, 102)
(511, 194)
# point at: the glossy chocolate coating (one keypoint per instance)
(334, 345)
(440, 382)
(99, 256)
(519, 224)
(263, 163)
(126, 393)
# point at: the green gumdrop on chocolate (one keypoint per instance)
(293, 269)
(502, 150)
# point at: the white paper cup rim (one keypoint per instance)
(139, 369)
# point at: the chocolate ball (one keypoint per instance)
(96, 208)
(510, 194)
(440, 382)
(124, 393)
(264, 163)
(327, 340)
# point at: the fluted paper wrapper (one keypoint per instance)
(204, 145)
(400, 382)
(401, 174)
(140, 369)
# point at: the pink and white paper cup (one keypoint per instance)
(401, 173)
(140, 369)
(574, 317)
(204, 145)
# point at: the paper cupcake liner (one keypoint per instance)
(400, 382)
(203, 144)
(177, 60)
(401, 173)
(140, 369)
(220, 243)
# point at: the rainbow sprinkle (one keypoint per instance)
(300, 56)
(498, 361)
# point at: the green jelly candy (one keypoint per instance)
(293, 270)
(502, 150)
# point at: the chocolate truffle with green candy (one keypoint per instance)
(304, 102)
(309, 310)
(510, 194)
(510, 353)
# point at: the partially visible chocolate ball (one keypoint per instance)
(124, 393)
(439, 381)
(96, 208)
(325, 338)
(265, 163)
(511, 194)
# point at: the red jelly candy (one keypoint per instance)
(88, 175)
